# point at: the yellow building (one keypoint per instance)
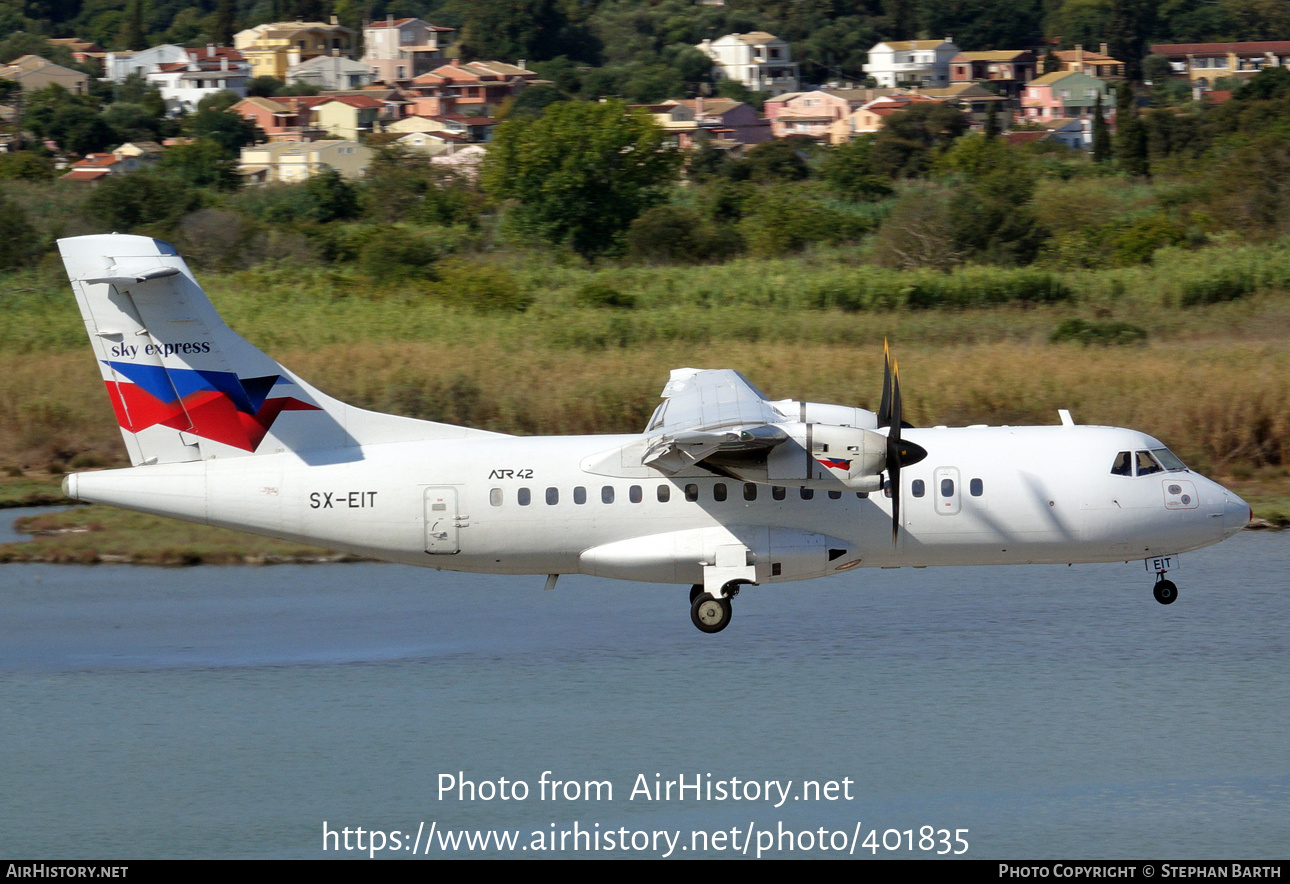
(272, 48)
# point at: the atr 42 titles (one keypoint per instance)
(683, 787)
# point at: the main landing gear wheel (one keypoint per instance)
(710, 614)
(1165, 592)
(695, 592)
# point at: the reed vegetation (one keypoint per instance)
(595, 344)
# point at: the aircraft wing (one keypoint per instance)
(710, 411)
(717, 420)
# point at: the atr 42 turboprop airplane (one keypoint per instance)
(724, 488)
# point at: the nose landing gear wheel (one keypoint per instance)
(1165, 592)
(710, 614)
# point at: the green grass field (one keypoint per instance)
(1211, 379)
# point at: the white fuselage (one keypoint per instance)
(989, 495)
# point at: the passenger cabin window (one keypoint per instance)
(918, 488)
(664, 493)
(947, 488)
(607, 494)
(634, 494)
(1123, 465)
(552, 496)
(580, 495)
(523, 497)
(835, 495)
(976, 488)
(691, 492)
(750, 491)
(808, 493)
(719, 491)
(495, 497)
(777, 492)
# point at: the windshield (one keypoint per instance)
(1144, 463)
(1169, 459)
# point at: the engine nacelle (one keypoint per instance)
(828, 454)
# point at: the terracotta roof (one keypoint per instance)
(1023, 137)
(1276, 47)
(756, 38)
(264, 104)
(359, 101)
(992, 55)
(469, 121)
(399, 22)
(86, 174)
(1085, 56)
(915, 44)
(205, 52)
(95, 159)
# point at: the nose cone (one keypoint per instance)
(1236, 514)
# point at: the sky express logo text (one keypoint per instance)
(187, 348)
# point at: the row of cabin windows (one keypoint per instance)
(663, 493)
(919, 489)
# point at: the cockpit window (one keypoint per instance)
(1169, 459)
(1123, 465)
(1147, 463)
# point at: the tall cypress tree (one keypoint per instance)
(1130, 134)
(1101, 134)
(992, 120)
(225, 13)
(132, 35)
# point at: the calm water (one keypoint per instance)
(1052, 712)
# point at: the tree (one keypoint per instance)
(581, 173)
(1127, 33)
(18, 238)
(224, 26)
(1131, 134)
(132, 33)
(992, 120)
(1101, 134)
(849, 170)
(229, 131)
(201, 163)
(910, 140)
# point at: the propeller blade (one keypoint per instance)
(900, 453)
(893, 445)
(884, 409)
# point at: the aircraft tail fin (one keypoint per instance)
(184, 385)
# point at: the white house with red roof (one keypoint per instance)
(203, 72)
(403, 48)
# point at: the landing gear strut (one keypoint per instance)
(1165, 591)
(708, 613)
